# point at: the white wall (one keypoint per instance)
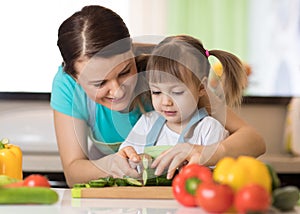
(29, 36)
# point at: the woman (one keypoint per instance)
(95, 94)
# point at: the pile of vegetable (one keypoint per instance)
(34, 189)
(10, 159)
(148, 178)
(240, 185)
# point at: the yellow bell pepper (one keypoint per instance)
(242, 171)
(10, 160)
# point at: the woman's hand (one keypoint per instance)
(116, 165)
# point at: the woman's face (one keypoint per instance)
(108, 81)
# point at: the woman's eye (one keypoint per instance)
(99, 85)
(124, 73)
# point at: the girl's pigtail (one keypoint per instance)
(235, 77)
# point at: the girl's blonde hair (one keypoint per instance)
(178, 54)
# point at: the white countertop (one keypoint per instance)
(67, 204)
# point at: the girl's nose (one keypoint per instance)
(166, 100)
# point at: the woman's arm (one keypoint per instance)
(243, 140)
(71, 134)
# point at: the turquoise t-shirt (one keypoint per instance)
(107, 126)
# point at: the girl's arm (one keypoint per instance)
(243, 140)
(71, 134)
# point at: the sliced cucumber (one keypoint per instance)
(146, 160)
(163, 181)
(81, 185)
(150, 179)
(133, 182)
(28, 195)
(101, 182)
(110, 181)
(120, 182)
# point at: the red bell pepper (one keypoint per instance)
(185, 183)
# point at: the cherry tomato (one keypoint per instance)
(185, 183)
(214, 197)
(252, 198)
(36, 180)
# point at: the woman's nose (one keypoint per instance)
(116, 89)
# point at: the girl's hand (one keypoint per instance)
(175, 157)
(130, 153)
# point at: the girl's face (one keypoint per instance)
(108, 81)
(174, 101)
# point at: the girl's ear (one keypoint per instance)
(202, 88)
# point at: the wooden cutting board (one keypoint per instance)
(151, 192)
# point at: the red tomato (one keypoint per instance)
(36, 180)
(184, 184)
(180, 193)
(252, 197)
(197, 171)
(213, 197)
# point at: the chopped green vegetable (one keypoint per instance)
(133, 182)
(150, 179)
(81, 185)
(110, 181)
(120, 182)
(101, 182)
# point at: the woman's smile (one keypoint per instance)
(116, 99)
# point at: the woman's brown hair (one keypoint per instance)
(91, 31)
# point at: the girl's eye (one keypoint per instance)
(178, 92)
(155, 92)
